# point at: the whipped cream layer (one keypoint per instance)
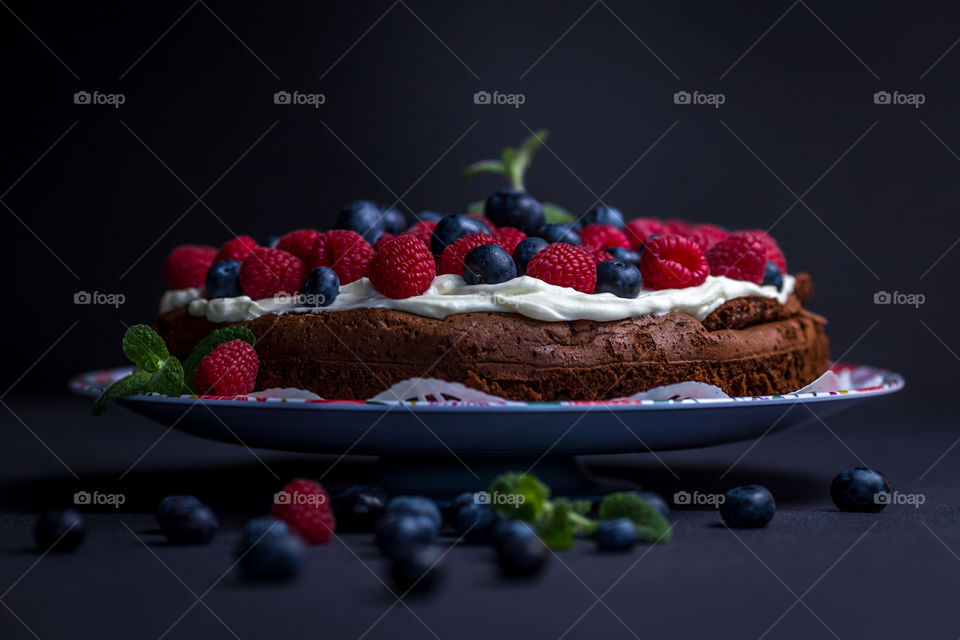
(449, 295)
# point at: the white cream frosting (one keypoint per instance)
(449, 295)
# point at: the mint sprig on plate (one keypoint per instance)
(156, 370)
(216, 338)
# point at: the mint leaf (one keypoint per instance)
(144, 347)
(523, 496)
(485, 166)
(650, 523)
(513, 161)
(556, 530)
(556, 213)
(216, 338)
(136, 382)
(168, 381)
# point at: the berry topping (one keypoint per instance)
(321, 288)
(598, 255)
(451, 261)
(487, 222)
(525, 252)
(363, 217)
(626, 255)
(488, 264)
(617, 535)
(513, 208)
(772, 275)
(604, 215)
(770, 245)
(394, 221)
(223, 280)
(267, 272)
(453, 227)
(509, 238)
(229, 370)
(707, 235)
(237, 249)
(672, 262)
(344, 251)
(559, 232)
(601, 236)
(749, 507)
(565, 265)
(423, 230)
(428, 216)
(639, 229)
(60, 530)
(403, 267)
(622, 279)
(305, 506)
(187, 266)
(383, 238)
(860, 489)
(299, 243)
(741, 257)
(680, 227)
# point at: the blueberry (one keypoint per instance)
(617, 535)
(223, 280)
(451, 228)
(622, 279)
(488, 264)
(399, 534)
(259, 529)
(626, 255)
(60, 530)
(512, 208)
(416, 506)
(363, 217)
(525, 251)
(393, 220)
(520, 552)
(462, 500)
(749, 507)
(275, 556)
(860, 489)
(321, 288)
(270, 242)
(173, 507)
(359, 507)
(773, 275)
(196, 525)
(559, 232)
(426, 216)
(477, 523)
(656, 500)
(603, 215)
(418, 571)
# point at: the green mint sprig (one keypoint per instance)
(216, 338)
(156, 370)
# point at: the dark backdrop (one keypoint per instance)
(96, 196)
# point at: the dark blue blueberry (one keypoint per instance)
(393, 220)
(656, 500)
(321, 288)
(559, 232)
(60, 530)
(173, 507)
(223, 280)
(617, 535)
(626, 255)
(426, 216)
(512, 208)
(525, 251)
(773, 275)
(860, 489)
(359, 507)
(399, 534)
(488, 264)
(749, 507)
(416, 506)
(462, 500)
(622, 279)
(453, 227)
(259, 529)
(603, 215)
(477, 523)
(196, 525)
(275, 556)
(520, 552)
(417, 571)
(363, 217)
(270, 242)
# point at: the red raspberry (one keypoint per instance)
(383, 238)
(772, 248)
(403, 267)
(299, 243)
(672, 262)
(305, 506)
(679, 227)
(451, 260)
(509, 238)
(344, 251)
(423, 230)
(565, 266)
(237, 249)
(484, 220)
(598, 255)
(741, 257)
(603, 236)
(707, 235)
(228, 370)
(637, 230)
(267, 272)
(187, 266)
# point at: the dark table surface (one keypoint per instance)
(812, 573)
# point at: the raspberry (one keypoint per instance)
(383, 238)
(344, 251)
(672, 262)
(451, 260)
(305, 506)
(267, 272)
(484, 220)
(603, 236)
(565, 266)
(598, 255)
(187, 266)
(423, 230)
(403, 267)
(707, 235)
(679, 227)
(299, 243)
(237, 249)
(509, 238)
(637, 230)
(741, 257)
(772, 248)
(228, 370)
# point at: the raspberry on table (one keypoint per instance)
(229, 370)
(772, 248)
(638, 229)
(344, 251)
(565, 265)
(187, 266)
(305, 507)
(403, 267)
(267, 272)
(741, 257)
(672, 261)
(603, 236)
(451, 260)
(299, 243)
(236, 249)
(509, 238)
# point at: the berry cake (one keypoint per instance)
(506, 303)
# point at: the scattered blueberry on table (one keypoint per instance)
(172, 507)
(418, 571)
(520, 552)
(860, 489)
(417, 506)
(617, 535)
(60, 530)
(400, 533)
(269, 551)
(359, 507)
(477, 523)
(185, 520)
(749, 507)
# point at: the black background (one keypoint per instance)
(199, 93)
